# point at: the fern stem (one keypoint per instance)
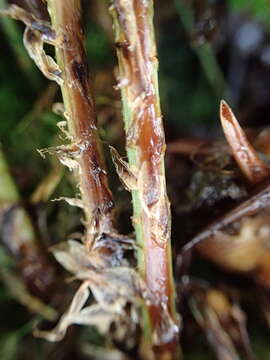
(81, 117)
(145, 144)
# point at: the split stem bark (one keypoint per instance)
(145, 144)
(81, 117)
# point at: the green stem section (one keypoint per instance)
(80, 113)
(145, 143)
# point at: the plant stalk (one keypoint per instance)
(145, 144)
(81, 117)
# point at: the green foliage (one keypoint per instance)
(258, 8)
(98, 46)
(187, 96)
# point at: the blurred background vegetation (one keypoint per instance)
(208, 50)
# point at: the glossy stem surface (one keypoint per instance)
(145, 144)
(80, 113)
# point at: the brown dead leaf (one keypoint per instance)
(107, 277)
(37, 32)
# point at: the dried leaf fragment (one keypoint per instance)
(242, 251)
(108, 278)
(67, 154)
(37, 32)
(125, 173)
(71, 201)
(107, 253)
(73, 256)
(112, 290)
(34, 45)
(252, 167)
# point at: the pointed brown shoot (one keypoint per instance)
(252, 167)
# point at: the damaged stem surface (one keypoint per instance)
(145, 143)
(81, 117)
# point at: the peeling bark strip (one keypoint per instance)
(146, 146)
(81, 117)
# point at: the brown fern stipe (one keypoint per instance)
(145, 143)
(80, 113)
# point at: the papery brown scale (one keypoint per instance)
(252, 167)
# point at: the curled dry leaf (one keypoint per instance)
(114, 286)
(105, 274)
(37, 32)
(112, 289)
(252, 167)
(244, 250)
(34, 43)
(238, 241)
